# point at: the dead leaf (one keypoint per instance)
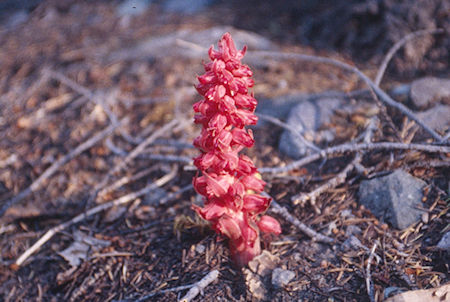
(263, 264)
(80, 249)
(439, 294)
(260, 267)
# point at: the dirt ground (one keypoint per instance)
(59, 88)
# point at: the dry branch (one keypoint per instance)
(125, 180)
(120, 201)
(141, 147)
(369, 284)
(332, 183)
(355, 148)
(173, 195)
(379, 92)
(397, 46)
(147, 297)
(134, 153)
(37, 184)
(200, 286)
(195, 288)
(81, 90)
(283, 212)
(342, 176)
(170, 158)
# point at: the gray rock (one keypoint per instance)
(395, 198)
(186, 6)
(437, 117)
(279, 107)
(307, 117)
(132, 7)
(444, 243)
(281, 277)
(427, 90)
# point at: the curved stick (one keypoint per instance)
(381, 94)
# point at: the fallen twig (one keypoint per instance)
(397, 46)
(141, 147)
(283, 212)
(148, 296)
(122, 200)
(150, 155)
(195, 289)
(91, 281)
(82, 90)
(332, 183)
(446, 136)
(37, 184)
(174, 195)
(200, 286)
(90, 96)
(369, 284)
(354, 148)
(381, 94)
(170, 158)
(125, 180)
(133, 154)
(339, 178)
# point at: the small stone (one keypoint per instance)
(281, 277)
(351, 243)
(279, 107)
(200, 248)
(444, 243)
(425, 217)
(427, 90)
(437, 117)
(347, 213)
(307, 117)
(324, 264)
(332, 228)
(395, 198)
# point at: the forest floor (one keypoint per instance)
(95, 161)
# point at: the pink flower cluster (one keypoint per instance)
(230, 182)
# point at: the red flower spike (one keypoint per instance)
(229, 181)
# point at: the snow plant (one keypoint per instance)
(229, 181)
